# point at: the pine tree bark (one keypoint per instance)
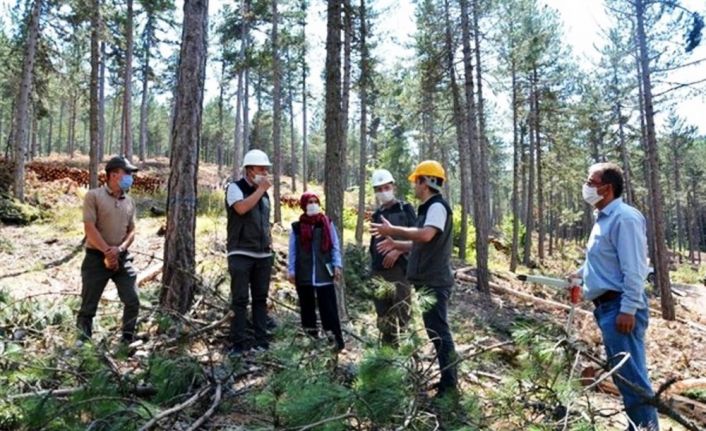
(101, 104)
(480, 207)
(292, 142)
(529, 212)
(94, 96)
(179, 283)
(334, 128)
(221, 133)
(126, 125)
(541, 226)
(305, 149)
(145, 88)
(20, 124)
(661, 258)
(461, 134)
(516, 162)
(363, 89)
(276, 114)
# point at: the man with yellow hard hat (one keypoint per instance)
(430, 245)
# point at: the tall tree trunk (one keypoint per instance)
(145, 96)
(292, 143)
(126, 126)
(363, 89)
(221, 134)
(305, 155)
(101, 104)
(461, 133)
(516, 162)
(20, 124)
(72, 126)
(529, 212)
(112, 124)
(676, 170)
(540, 180)
(237, 133)
(50, 134)
(94, 102)
(33, 136)
(346, 89)
(484, 146)
(661, 259)
(479, 206)
(180, 238)
(276, 114)
(624, 156)
(334, 126)
(62, 110)
(246, 83)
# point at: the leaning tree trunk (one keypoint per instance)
(126, 125)
(179, 282)
(362, 159)
(94, 102)
(276, 114)
(479, 206)
(21, 125)
(334, 126)
(661, 263)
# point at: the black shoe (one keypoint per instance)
(237, 350)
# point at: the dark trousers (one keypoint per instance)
(393, 310)
(325, 296)
(249, 282)
(95, 277)
(437, 326)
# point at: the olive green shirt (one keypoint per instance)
(114, 216)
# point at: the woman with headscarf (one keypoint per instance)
(314, 266)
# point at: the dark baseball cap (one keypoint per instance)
(120, 162)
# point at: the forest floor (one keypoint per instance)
(503, 339)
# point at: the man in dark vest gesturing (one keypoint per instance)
(430, 245)
(249, 251)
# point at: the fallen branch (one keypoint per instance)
(149, 274)
(526, 296)
(216, 401)
(177, 408)
(48, 392)
(325, 421)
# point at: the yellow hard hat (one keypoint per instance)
(428, 168)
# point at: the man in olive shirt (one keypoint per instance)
(109, 224)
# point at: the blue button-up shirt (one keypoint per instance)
(616, 256)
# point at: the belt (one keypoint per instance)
(606, 297)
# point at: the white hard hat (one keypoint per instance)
(256, 158)
(382, 176)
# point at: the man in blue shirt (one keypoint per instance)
(614, 274)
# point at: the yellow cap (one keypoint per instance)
(428, 168)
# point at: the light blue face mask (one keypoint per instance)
(125, 182)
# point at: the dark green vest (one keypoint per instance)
(430, 263)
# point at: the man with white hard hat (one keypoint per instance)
(393, 310)
(249, 246)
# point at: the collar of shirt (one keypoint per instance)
(608, 210)
(110, 192)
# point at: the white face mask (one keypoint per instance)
(258, 178)
(385, 197)
(312, 209)
(590, 195)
